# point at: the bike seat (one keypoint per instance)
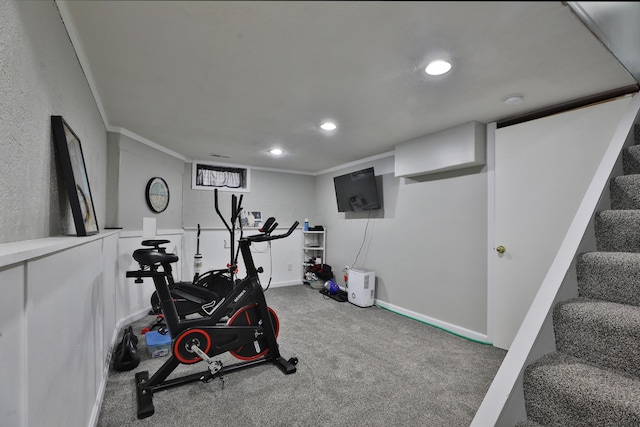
(152, 257)
(154, 243)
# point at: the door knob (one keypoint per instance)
(500, 249)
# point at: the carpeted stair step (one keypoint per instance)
(618, 230)
(611, 276)
(631, 159)
(602, 332)
(625, 192)
(528, 423)
(561, 390)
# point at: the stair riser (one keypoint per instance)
(625, 192)
(604, 333)
(618, 231)
(610, 276)
(631, 160)
(631, 155)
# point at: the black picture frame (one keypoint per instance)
(71, 158)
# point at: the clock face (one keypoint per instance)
(157, 194)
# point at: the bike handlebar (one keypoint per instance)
(267, 237)
(267, 225)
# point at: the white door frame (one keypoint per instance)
(491, 217)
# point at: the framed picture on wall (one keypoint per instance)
(69, 152)
(252, 219)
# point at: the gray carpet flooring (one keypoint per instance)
(357, 366)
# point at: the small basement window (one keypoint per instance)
(209, 176)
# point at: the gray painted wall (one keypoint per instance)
(41, 76)
(113, 177)
(428, 245)
(285, 196)
(137, 164)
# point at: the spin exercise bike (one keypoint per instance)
(206, 289)
(249, 334)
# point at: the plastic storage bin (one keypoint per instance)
(159, 345)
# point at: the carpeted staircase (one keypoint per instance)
(593, 377)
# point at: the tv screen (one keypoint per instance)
(357, 191)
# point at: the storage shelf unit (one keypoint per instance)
(314, 246)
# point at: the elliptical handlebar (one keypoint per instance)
(267, 237)
(236, 209)
(215, 199)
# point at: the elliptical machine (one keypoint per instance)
(249, 334)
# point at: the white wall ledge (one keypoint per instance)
(159, 232)
(15, 252)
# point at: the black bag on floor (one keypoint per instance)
(322, 271)
(126, 356)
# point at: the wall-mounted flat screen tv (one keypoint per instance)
(357, 191)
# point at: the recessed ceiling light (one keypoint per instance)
(328, 126)
(513, 99)
(276, 151)
(436, 68)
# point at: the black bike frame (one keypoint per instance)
(247, 291)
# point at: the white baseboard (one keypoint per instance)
(283, 284)
(454, 329)
(95, 413)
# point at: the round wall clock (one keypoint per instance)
(157, 194)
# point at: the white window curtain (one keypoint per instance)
(219, 178)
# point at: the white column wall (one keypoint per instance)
(57, 326)
(13, 346)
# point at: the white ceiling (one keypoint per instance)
(236, 78)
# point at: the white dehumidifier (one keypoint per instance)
(362, 287)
